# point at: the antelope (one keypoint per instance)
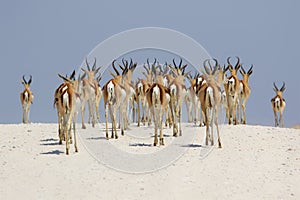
(65, 102)
(156, 100)
(192, 101)
(278, 104)
(160, 76)
(98, 97)
(177, 94)
(232, 91)
(141, 88)
(210, 96)
(90, 90)
(127, 85)
(114, 96)
(58, 104)
(223, 83)
(26, 98)
(244, 91)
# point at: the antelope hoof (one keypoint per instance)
(220, 145)
(76, 150)
(83, 126)
(116, 136)
(155, 141)
(206, 142)
(162, 141)
(180, 133)
(122, 132)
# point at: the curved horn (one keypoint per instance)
(179, 66)
(113, 65)
(275, 87)
(243, 70)
(148, 72)
(30, 79)
(206, 67)
(210, 65)
(283, 87)
(123, 61)
(130, 65)
(216, 61)
(250, 70)
(237, 65)
(122, 68)
(148, 63)
(87, 64)
(174, 63)
(72, 77)
(24, 79)
(94, 65)
(154, 61)
(183, 68)
(228, 61)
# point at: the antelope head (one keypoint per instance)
(246, 74)
(233, 70)
(279, 91)
(27, 83)
(91, 72)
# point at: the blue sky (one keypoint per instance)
(43, 38)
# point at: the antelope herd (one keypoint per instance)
(156, 97)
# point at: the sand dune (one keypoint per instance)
(256, 162)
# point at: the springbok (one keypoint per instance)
(130, 89)
(156, 100)
(90, 90)
(192, 101)
(141, 88)
(114, 96)
(223, 83)
(278, 104)
(210, 98)
(232, 91)
(58, 104)
(26, 98)
(244, 92)
(161, 76)
(65, 102)
(98, 97)
(177, 93)
(122, 80)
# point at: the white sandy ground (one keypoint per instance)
(256, 162)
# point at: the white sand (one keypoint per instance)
(256, 162)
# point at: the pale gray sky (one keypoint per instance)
(43, 38)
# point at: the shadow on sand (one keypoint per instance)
(54, 152)
(192, 145)
(140, 145)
